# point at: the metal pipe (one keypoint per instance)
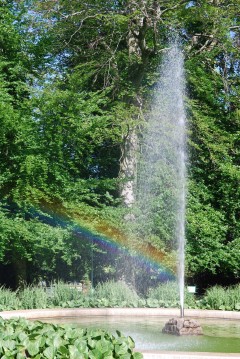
(181, 312)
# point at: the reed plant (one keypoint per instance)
(167, 291)
(8, 299)
(33, 297)
(115, 294)
(62, 294)
(221, 298)
(167, 295)
(235, 296)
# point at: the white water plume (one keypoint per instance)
(161, 188)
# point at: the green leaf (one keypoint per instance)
(63, 350)
(9, 344)
(222, 307)
(91, 343)
(49, 353)
(131, 342)
(103, 346)
(21, 356)
(237, 306)
(73, 352)
(22, 336)
(125, 356)
(97, 353)
(58, 341)
(33, 348)
(137, 355)
(121, 349)
(81, 345)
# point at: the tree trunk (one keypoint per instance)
(20, 271)
(128, 167)
(147, 14)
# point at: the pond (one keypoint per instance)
(220, 335)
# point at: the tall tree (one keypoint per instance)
(114, 42)
(75, 87)
(15, 129)
(213, 77)
(115, 46)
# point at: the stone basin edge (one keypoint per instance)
(161, 312)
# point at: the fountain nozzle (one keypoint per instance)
(181, 312)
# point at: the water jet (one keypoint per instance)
(163, 168)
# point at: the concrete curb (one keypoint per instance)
(69, 312)
(184, 355)
(143, 312)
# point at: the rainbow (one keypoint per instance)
(108, 238)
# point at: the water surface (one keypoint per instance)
(220, 335)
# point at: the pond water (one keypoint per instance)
(220, 335)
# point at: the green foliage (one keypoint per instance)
(46, 251)
(9, 300)
(211, 69)
(70, 91)
(32, 297)
(79, 141)
(166, 295)
(221, 298)
(21, 338)
(64, 295)
(115, 294)
(207, 230)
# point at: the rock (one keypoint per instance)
(193, 324)
(181, 326)
(180, 323)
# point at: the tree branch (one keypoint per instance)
(175, 6)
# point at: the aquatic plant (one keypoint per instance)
(21, 339)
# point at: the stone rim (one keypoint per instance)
(73, 312)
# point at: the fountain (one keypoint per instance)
(163, 169)
(162, 172)
(164, 161)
